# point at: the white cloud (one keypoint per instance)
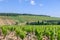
(32, 2)
(40, 5)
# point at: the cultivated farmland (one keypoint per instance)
(30, 32)
(12, 27)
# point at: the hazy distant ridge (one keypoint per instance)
(16, 14)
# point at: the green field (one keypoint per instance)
(29, 32)
(22, 18)
(31, 18)
(52, 32)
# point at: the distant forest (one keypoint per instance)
(16, 14)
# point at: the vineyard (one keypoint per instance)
(30, 32)
(22, 19)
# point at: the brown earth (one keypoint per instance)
(7, 21)
(12, 36)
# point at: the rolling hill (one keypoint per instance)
(23, 18)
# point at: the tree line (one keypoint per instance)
(16, 14)
(45, 22)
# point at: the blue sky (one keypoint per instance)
(41, 7)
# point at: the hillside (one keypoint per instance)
(23, 18)
(30, 17)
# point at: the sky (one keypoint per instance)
(40, 7)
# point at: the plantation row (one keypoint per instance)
(42, 32)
